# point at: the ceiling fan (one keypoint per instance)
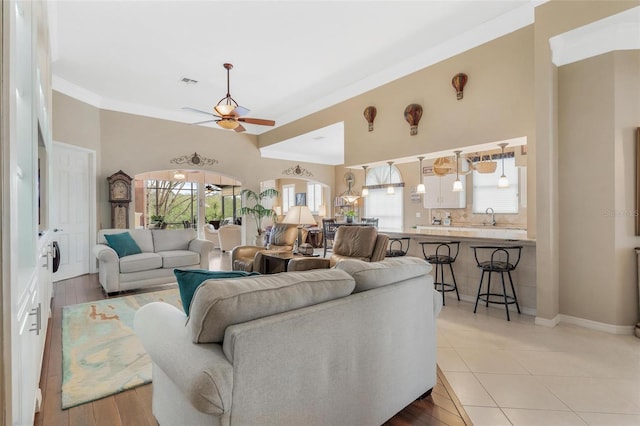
(229, 114)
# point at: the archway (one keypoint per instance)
(174, 199)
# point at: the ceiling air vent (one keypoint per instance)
(187, 80)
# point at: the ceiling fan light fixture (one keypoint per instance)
(228, 124)
(224, 109)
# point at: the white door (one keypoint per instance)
(72, 195)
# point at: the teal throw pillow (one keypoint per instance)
(190, 279)
(123, 244)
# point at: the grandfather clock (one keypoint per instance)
(120, 198)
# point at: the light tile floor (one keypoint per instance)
(518, 373)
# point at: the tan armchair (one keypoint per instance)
(359, 242)
(249, 258)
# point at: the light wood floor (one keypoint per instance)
(133, 407)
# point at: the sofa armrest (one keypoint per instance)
(108, 267)
(200, 371)
(105, 254)
(204, 247)
(380, 249)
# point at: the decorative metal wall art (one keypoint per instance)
(370, 115)
(413, 113)
(297, 171)
(458, 82)
(194, 159)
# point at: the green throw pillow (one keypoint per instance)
(123, 244)
(190, 279)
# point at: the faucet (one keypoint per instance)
(493, 216)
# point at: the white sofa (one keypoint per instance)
(162, 252)
(296, 348)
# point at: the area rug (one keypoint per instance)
(101, 354)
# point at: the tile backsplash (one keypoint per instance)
(465, 217)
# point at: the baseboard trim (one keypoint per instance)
(560, 318)
(547, 322)
(599, 326)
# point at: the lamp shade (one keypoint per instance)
(299, 215)
(228, 124)
(503, 182)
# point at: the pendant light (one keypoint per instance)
(390, 190)
(365, 190)
(457, 185)
(420, 189)
(503, 182)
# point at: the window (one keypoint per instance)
(171, 203)
(288, 197)
(378, 204)
(487, 194)
(314, 197)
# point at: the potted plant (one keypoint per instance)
(258, 211)
(350, 215)
(157, 220)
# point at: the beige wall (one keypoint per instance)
(598, 110)
(137, 144)
(551, 19)
(497, 105)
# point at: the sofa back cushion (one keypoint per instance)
(172, 239)
(218, 304)
(391, 270)
(142, 237)
(355, 241)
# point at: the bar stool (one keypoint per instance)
(498, 259)
(442, 256)
(397, 247)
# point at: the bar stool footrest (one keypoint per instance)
(447, 287)
(510, 299)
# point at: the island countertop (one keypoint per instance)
(466, 233)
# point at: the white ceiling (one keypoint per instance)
(291, 58)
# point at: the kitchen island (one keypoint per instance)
(467, 273)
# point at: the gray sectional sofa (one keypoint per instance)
(162, 252)
(351, 345)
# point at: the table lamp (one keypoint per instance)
(299, 215)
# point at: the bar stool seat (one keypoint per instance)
(497, 259)
(445, 253)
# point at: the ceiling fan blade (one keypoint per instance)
(203, 122)
(239, 111)
(198, 110)
(240, 128)
(259, 121)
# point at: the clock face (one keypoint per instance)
(119, 191)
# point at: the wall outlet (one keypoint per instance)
(418, 214)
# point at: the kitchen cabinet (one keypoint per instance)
(439, 194)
